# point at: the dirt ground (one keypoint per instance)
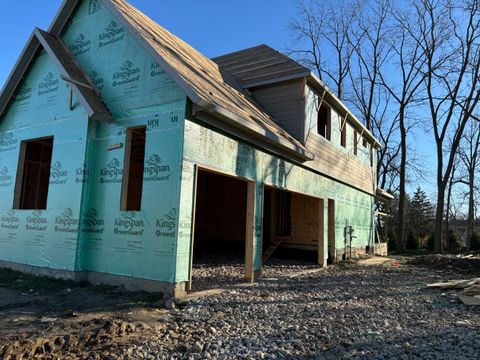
(50, 319)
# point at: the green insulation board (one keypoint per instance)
(48, 237)
(83, 227)
(211, 149)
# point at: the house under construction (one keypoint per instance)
(123, 150)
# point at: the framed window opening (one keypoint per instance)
(324, 121)
(134, 167)
(355, 143)
(33, 174)
(343, 137)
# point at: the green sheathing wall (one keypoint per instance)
(311, 105)
(137, 92)
(212, 149)
(45, 238)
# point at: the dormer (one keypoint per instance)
(299, 101)
(274, 80)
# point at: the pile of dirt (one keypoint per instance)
(96, 334)
(461, 263)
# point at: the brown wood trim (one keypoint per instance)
(250, 232)
(17, 197)
(321, 233)
(192, 235)
(126, 169)
(126, 166)
(331, 230)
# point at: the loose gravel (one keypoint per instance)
(347, 311)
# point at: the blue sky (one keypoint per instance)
(214, 27)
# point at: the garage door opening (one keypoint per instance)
(293, 227)
(222, 219)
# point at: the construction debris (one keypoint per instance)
(471, 289)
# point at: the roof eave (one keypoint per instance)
(276, 80)
(103, 115)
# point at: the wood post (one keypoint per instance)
(250, 232)
(320, 236)
(192, 240)
(331, 230)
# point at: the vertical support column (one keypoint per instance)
(331, 231)
(321, 234)
(192, 234)
(250, 232)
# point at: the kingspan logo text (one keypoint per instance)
(10, 220)
(127, 73)
(97, 79)
(81, 174)
(112, 34)
(128, 224)
(94, 6)
(8, 141)
(111, 173)
(5, 177)
(57, 174)
(81, 45)
(91, 222)
(36, 221)
(48, 85)
(155, 170)
(66, 222)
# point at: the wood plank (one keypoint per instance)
(17, 197)
(331, 229)
(250, 232)
(192, 239)
(321, 239)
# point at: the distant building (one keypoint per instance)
(461, 228)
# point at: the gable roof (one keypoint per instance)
(69, 69)
(203, 81)
(261, 65)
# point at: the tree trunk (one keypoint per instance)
(447, 214)
(438, 244)
(402, 196)
(471, 199)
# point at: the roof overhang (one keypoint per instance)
(69, 69)
(261, 136)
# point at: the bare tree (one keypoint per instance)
(370, 40)
(469, 154)
(407, 55)
(326, 27)
(449, 36)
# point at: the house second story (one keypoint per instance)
(341, 145)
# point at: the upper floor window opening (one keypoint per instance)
(324, 121)
(343, 137)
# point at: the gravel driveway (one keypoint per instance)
(343, 312)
